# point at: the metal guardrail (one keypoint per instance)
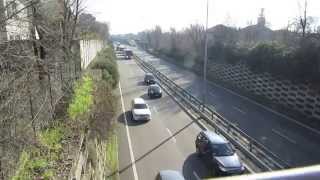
(261, 156)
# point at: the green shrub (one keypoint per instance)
(51, 138)
(82, 99)
(106, 61)
(31, 167)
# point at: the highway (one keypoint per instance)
(293, 142)
(165, 142)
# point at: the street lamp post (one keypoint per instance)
(205, 61)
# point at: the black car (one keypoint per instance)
(169, 175)
(154, 91)
(128, 54)
(149, 79)
(218, 154)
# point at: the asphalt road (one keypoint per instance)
(165, 142)
(293, 142)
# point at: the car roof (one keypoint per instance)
(171, 175)
(154, 85)
(215, 138)
(138, 101)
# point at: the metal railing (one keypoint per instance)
(261, 156)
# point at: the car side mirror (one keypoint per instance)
(235, 147)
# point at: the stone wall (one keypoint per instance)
(300, 97)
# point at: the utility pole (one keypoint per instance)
(205, 61)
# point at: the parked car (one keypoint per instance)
(169, 175)
(149, 79)
(218, 153)
(140, 110)
(154, 91)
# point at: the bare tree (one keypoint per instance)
(303, 20)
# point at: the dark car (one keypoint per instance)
(149, 79)
(128, 54)
(218, 154)
(169, 175)
(154, 91)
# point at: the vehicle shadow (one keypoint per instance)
(194, 168)
(130, 121)
(145, 96)
(141, 83)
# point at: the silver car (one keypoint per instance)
(140, 110)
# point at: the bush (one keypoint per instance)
(106, 61)
(264, 56)
(32, 168)
(220, 52)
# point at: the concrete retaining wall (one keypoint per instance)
(89, 50)
(300, 97)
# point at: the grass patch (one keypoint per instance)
(112, 152)
(40, 161)
(82, 99)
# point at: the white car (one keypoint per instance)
(140, 110)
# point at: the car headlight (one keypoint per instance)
(242, 167)
(223, 168)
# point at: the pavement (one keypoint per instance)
(165, 142)
(295, 143)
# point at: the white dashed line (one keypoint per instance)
(155, 109)
(238, 109)
(284, 136)
(134, 169)
(173, 138)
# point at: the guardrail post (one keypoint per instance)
(212, 115)
(250, 146)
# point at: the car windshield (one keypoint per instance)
(222, 149)
(140, 106)
(149, 77)
(155, 88)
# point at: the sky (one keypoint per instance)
(132, 16)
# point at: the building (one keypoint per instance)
(15, 24)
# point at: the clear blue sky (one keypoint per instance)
(131, 16)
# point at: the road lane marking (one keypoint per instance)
(238, 109)
(284, 136)
(155, 109)
(268, 109)
(134, 169)
(212, 94)
(171, 135)
(196, 175)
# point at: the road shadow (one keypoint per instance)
(130, 121)
(194, 168)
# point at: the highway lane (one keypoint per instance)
(292, 142)
(166, 142)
